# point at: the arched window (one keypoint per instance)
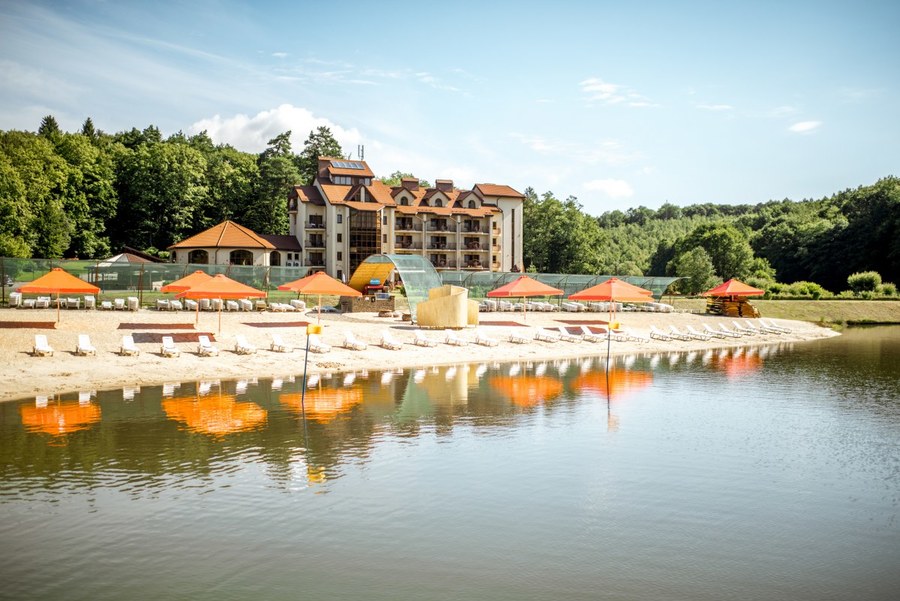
(471, 204)
(404, 202)
(438, 203)
(424, 202)
(198, 256)
(241, 257)
(275, 259)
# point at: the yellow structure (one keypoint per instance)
(447, 307)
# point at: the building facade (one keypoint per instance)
(346, 215)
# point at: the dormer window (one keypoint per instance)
(404, 202)
(438, 203)
(472, 204)
(424, 202)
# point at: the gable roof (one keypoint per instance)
(496, 190)
(227, 234)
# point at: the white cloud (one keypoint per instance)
(805, 127)
(605, 92)
(609, 152)
(614, 188)
(251, 134)
(280, 54)
(715, 107)
(783, 111)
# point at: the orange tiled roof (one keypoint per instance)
(381, 192)
(338, 166)
(308, 194)
(364, 206)
(227, 234)
(496, 190)
(334, 193)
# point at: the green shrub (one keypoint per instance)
(864, 281)
(887, 289)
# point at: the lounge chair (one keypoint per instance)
(73, 303)
(676, 333)
(205, 305)
(744, 330)
(483, 339)
(175, 305)
(711, 332)
(315, 344)
(389, 342)
(766, 329)
(42, 302)
(119, 304)
(106, 305)
(658, 334)
(774, 326)
(168, 348)
(519, 338)
(566, 336)
(353, 343)
(278, 344)
(132, 303)
(90, 302)
(15, 299)
(592, 336)
(28, 303)
(245, 304)
(242, 347)
(128, 347)
(696, 335)
(421, 339)
(190, 304)
(231, 305)
(546, 335)
(84, 346)
(162, 304)
(731, 334)
(41, 347)
(452, 339)
(298, 304)
(205, 348)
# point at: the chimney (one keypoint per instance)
(410, 183)
(444, 185)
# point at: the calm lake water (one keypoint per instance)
(762, 473)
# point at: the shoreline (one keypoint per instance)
(23, 375)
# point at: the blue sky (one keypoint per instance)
(619, 104)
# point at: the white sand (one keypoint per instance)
(23, 375)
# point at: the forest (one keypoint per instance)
(87, 194)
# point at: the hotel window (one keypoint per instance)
(340, 218)
(340, 237)
(340, 256)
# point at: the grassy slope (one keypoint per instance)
(820, 311)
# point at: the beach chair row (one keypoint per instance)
(708, 332)
(217, 304)
(491, 305)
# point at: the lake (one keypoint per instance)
(755, 473)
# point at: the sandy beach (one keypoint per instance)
(22, 374)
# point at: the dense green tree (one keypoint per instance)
(278, 174)
(15, 214)
(728, 248)
(320, 143)
(49, 128)
(695, 265)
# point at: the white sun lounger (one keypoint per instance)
(41, 346)
(353, 343)
(658, 334)
(591, 336)
(565, 336)
(452, 339)
(676, 333)
(546, 335)
(242, 347)
(84, 346)
(168, 348)
(205, 348)
(316, 345)
(729, 333)
(743, 330)
(389, 342)
(483, 339)
(128, 347)
(711, 332)
(278, 344)
(519, 338)
(421, 339)
(774, 326)
(696, 335)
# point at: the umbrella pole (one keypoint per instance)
(57, 307)
(221, 302)
(197, 317)
(319, 307)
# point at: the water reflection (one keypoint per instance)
(347, 414)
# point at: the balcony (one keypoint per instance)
(315, 262)
(314, 225)
(440, 228)
(315, 243)
(405, 226)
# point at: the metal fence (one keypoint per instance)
(480, 283)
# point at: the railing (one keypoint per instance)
(404, 227)
(315, 243)
(440, 228)
(315, 226)
(314, 262)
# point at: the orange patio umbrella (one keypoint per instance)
(187, 282)
(320, 284)
(521, 287)
(613, 291)
(59, 282)
(59, 418)
(220, 286)
(526, 391)
(216, 415)
(734, 287)
(324, 404)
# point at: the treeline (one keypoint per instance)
(805, 248)
(88, 193)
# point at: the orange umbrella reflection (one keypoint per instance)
(613, 384)
(526, 391)
(216, 415)
(324, 404)
(59, 418)
(740, 365)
